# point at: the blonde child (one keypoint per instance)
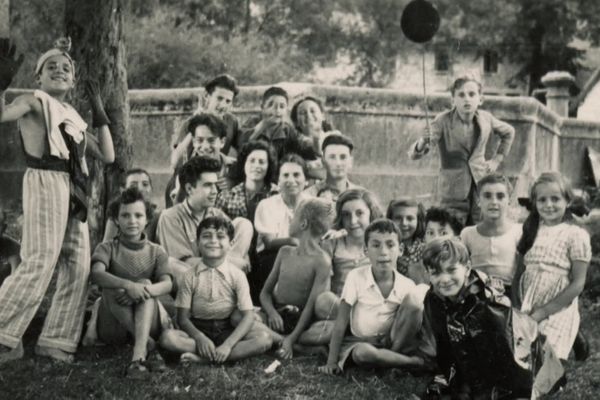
(132, 273)
(462, 134)
(409, 216)
(371, 300)
(556, 255)
(55, 233)
(300, 274)
(355, 210)
(210, 293)
(492, 243)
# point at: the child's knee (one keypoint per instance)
(263, 340)
(364, 354)
(145, 281)
(168, 339)
(326, 306)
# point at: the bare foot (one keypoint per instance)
(187, 358)
(56, 354)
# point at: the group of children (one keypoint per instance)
(412, 290)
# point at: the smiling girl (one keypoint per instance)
(556, 255)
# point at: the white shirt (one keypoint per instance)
(372, 314)
(273, 217)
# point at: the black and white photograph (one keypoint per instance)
(300, 199)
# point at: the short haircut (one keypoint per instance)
(494, 178)
(382, 225)
(129, 196)
(293, 158)
(212, 122)
(443, 217)
(409, 202)
(216, 222)
(460, 80)
(134, 171)
(318, 213)
(246, 150)
(274, 91)
(190, 171)
(337, 139)
(224, 81)
(357, 194)
(444, 250)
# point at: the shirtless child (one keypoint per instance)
(299, 275)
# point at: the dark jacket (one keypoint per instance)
(474, 340)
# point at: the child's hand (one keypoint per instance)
(287, 349)
(9, 65)
(137, 292)
(206, 348)
(123, 298)
(334, 234)
(538, 315)
(329, 369)
(492, 165)
(222, 353)
(275, 321)
(423, 143)
(99, 117)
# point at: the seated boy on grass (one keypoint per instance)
(210, 292)
(371, 304)
(299, 275)
(132, 272)
(470, 323)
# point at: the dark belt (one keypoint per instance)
(48, 163)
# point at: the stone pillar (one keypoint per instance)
(557, 95)
(557, 99)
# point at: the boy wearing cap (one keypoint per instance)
(55, 234)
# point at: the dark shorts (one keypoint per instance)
(217, 330)
(290, 316)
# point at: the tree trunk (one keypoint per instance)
(96, 28)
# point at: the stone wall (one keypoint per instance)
(383, 123)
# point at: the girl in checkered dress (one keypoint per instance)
(556, 255)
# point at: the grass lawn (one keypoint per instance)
(98, 374)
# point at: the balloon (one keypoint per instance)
(420, 21)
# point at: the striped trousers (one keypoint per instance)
(50, 240)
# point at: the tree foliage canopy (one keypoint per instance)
(175, 43)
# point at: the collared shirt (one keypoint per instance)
(273, 217)
(214, 293)
(322, 186)
(177, 228)
(235, 203)
(372, 314)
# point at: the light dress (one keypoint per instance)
(547, 269)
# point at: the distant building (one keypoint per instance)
(441, 66)
(587, 102)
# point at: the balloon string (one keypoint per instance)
(425, 93)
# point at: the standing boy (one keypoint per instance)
(300, 274)
(55, 234)
(462, 134)
(337, 158)
(211, 291)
